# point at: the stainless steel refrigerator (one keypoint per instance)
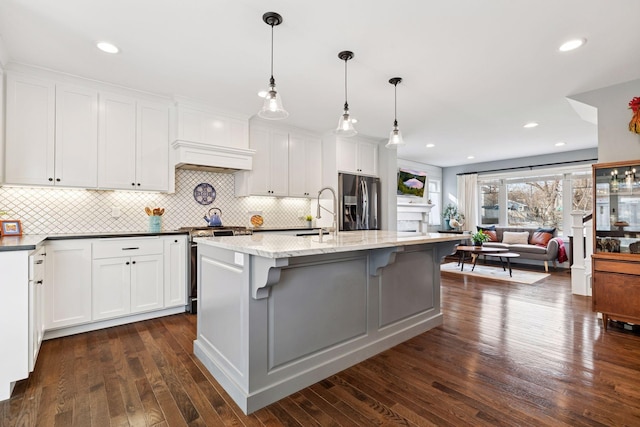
(359, 202)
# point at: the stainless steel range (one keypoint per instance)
(192, 304)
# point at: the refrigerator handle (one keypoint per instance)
(365, 205)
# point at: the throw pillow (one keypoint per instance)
(547, 230)
(541, 238)
(493, 237)
(489, 231)
(515, 237)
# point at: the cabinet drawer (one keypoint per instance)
(111, 248)
(613, 266)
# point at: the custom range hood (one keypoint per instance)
(214, 158)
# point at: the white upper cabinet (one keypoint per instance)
(357, 156)
(152, 146)
(287, 162)
(269, 176)
(305, 165)
(52, 133)
(76, 136)
(133, 144)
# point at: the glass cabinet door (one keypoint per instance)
(616, 209)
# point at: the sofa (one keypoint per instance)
(537, 244)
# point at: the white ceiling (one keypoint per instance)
(474, 72)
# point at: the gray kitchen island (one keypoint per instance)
(278, 313)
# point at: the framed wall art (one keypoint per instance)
(10, 228)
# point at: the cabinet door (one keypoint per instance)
(175, 271)
(147, 284)
(29, 153)
(305, 165)
(152, 146)
(279, 163)
(76, 144)
(67, 293)
(347, 155)
(269, 176)
(36, 305)
(117, 142)
(111, 287)
(367, 158)
(259, 179)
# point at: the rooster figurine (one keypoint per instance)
(634, 124)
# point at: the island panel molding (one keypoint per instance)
(326, 307)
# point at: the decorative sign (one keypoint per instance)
(204, 193)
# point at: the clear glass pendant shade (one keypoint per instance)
(345, 125)
(395, 138)
(272, 108)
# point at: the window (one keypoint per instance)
(530, 199)
(535, 202)
(582, 192)
(489, 203)
(435, 197)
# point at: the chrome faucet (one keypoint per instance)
(334, 213)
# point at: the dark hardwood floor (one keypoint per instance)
(507, 354)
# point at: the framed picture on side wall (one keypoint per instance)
(10, 228)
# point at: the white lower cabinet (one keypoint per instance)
(91, 280)
(36, 304)
(175, 271)
(67, 290)
(124, 285)
(111, 288)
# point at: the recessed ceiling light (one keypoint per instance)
(572, 44)
(262, 93)
(107, 47)
(431, 145)
(530, 125)
(471, 157)
(354, 120)
(560, 143)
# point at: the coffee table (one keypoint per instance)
(507, 256)
(477, 250)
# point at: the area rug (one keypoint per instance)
(494, 272)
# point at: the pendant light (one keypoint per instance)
(345, 123)
(272, 108)
(395, 137)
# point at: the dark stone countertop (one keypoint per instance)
(30, 241)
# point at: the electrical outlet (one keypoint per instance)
(300, 214)
(115, 212)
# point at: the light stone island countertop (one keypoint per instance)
(284, 246)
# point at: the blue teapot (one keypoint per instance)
(214, 218)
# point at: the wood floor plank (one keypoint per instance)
(506, 354)
(168, 405)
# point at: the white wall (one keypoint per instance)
(615, 141)
(433, 172)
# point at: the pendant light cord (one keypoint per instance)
(395, 104)
(272, 81)
(346, 104)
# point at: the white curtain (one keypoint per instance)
(468, 200)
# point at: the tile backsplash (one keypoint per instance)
(53, 211)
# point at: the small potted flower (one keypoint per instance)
(309, 220)
(478, 238)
